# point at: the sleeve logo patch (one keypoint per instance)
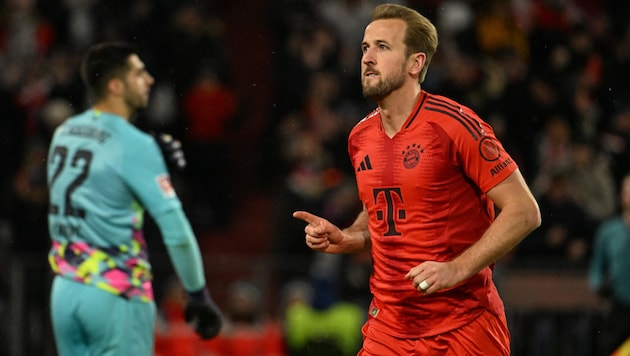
(489, 149)
(164, 182)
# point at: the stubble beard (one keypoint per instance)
(135, 101)
(383, 88)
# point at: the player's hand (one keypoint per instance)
(320, 233)
(430, 276)
(172, 150)
(203, 314)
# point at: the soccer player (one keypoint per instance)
(103, 173)
(429, 173)
(609, 274)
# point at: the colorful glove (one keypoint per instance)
(203, 314)
(172, 150)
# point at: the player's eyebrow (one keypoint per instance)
(376, 43)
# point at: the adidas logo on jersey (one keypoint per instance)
(365, 164)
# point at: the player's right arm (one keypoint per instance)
(323, 236)
(182, 248)
(148, 177)
(185, 255)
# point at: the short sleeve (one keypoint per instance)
(482, 156)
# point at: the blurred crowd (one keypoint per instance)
(551, 76)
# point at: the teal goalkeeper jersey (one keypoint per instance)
(103, 173)
(610, 260)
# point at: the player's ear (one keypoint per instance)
(115, 86)
(417, 61)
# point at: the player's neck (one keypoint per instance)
(113, 106)
(396, 108)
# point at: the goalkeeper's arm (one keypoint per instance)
(184, 253)
(182, 248)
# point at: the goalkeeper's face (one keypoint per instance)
(137, 84)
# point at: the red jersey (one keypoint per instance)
(425, 192)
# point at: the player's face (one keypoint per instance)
(138, 84)
(384, 61)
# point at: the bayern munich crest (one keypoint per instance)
(411, 156)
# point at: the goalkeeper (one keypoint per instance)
(103, 173)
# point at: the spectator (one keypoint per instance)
(591, 182)
(553, 152)
(315, 325)
(497, 30)
(615, 142)
(563, 239)
(248, 330)
(209, 108)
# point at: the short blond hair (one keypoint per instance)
(421, 35)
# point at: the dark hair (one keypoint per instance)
(103, 62)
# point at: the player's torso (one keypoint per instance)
(95, 220)
(413, 189)
(88, 198)
(424, 204)
(395, 176)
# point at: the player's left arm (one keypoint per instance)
(519, 215)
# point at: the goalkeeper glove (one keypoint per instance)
(203, 314)
(172, 150)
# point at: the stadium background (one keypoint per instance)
(273, 86)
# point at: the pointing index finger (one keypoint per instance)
(308, 217)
